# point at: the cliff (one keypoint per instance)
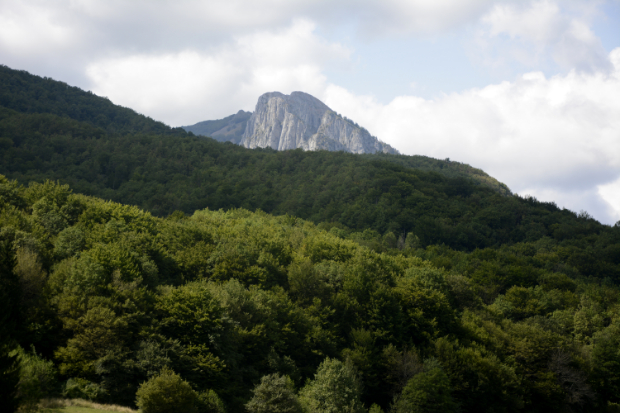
(299, 120)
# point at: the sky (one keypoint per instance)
(528, 91)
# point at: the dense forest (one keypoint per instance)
(227, 300)
(134, 256)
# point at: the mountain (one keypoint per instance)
(229, 129)
(438, 201)
(299, 120)
(284, 122)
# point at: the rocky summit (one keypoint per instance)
(300, 120)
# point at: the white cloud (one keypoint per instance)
(190, 86)
(397, 17)
(32, 29)
(555, 138)
(93, 26)
(540, 33)
(610, 193)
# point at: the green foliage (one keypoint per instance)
(59, 132)
(606, 363)
(336, 388)
(427, 392)
(37, 378)
(78, 388)
(274, 394)
(479, 379)
(9, 378)
(69, 241)
(375, 408)
(10, 293)
(10, 318)
(96, 332)
(380, 260)
(165, 393)
(27, 93)
(210, 402)
(114, 295)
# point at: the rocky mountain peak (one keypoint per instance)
(300, 120)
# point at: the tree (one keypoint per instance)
(210, 402)
(9, 318)
(336, 388)
(166, 392)
(274, 394)
(606, 363)
(37, 378)
(427, 392)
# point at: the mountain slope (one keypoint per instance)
(437, 201)
(164, 174)
(26, 93)
(229, 129)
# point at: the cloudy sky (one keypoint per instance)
(528, 91)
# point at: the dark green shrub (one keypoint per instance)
(336, 388)
(165, 393)
(210, 402)
(10, 314)
(69, 241)
(427, 392)
(9, 377)
(37, 378)
(274, 394)
(375, 409)
(78, 388)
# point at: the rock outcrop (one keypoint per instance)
(299, 120)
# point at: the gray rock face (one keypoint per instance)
(299, 120)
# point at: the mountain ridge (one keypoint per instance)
(298, 120)
(228, 129)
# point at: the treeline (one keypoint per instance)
(440, 202)
(240, 306)
(164, 174)
(26, 93)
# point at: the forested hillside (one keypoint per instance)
(163, 174)
(25, 93)
(112, 295)
(440, 201)
(28, 94)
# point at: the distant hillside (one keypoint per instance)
(446, 167)
(439, 202)
(26, 93)
(229, 129)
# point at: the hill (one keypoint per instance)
(26, 93)
(438, 202)
(112, 294)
